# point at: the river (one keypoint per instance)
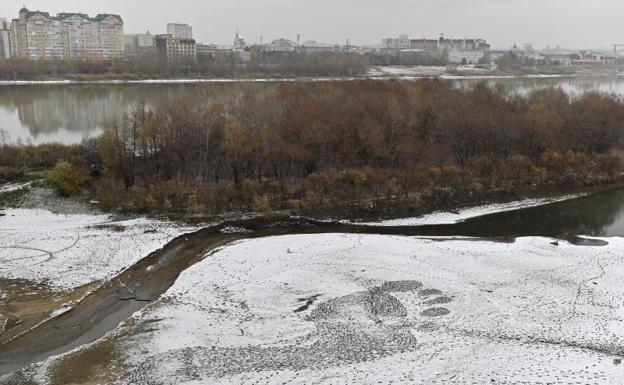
(69, 113)
(595, 215)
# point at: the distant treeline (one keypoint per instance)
(225, 65)
(408, 59)
(365, 146)
(221, 64)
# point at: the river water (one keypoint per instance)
(68, 113)
(595, 215)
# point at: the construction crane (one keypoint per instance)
(615, 47)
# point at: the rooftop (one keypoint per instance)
(65, 15)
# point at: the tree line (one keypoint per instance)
(326, 143)
(361, 146)
(292, 130)
(222, 64)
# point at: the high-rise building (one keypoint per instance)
(6, 50)
(68, 35)
(180, 31)
(145, 40)
(139, 43)
(176, 50)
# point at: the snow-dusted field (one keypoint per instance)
(447, 218)
(380, 72)
(11, 187)
(367, 309)
(68, 251)
(418, 71)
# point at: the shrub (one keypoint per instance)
(262, 205)
(67, 179)
(194, 205)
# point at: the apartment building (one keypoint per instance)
(180, 31)
(38, 35)
(139, 42)
(424, 44)
(176, 50)
(402, 42)
(145, 40)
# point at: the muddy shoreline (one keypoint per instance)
(143, 283)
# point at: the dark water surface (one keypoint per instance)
(596, 215)
(68, 113)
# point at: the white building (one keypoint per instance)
(312, 46)
(281, 45)
(466, 56)
(145, 40)
(140, 42)
(402, 42)
(180, 31)
(472, 50)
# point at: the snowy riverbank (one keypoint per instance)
(375, 73)
(68, 251)
(336, 308)
(446, 217)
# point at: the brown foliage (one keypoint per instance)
(317, 146)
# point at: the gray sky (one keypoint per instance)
(569, 23)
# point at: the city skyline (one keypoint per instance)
(571, 23)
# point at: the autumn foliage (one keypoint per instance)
(67, 179)
(360, 146)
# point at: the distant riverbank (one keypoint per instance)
(374, 73)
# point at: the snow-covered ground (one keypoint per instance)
(447, 218)
(68, 251)
(379, 72)
(418, 71)
(11, 187)
(372, 309)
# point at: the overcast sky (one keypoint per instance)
(569, 23)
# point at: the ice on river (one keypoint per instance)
(364, 309)
(68, 251)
